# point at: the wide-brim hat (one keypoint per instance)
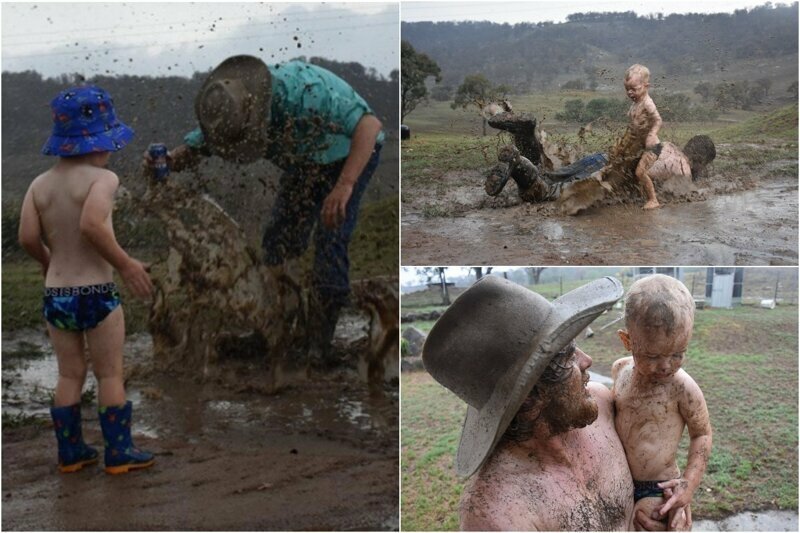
(233, 108)
(84, 122)
(492, 345)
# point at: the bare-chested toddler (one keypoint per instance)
(655, 399)
(66, 226)
(645, 122)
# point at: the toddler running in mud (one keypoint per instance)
(654, 398)
(65, 224)
(644, 125)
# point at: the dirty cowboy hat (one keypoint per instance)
(494, 342)
(233, 108)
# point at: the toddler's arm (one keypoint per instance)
(30, 232)
(695, 412)
(655, 117)
(94, 228)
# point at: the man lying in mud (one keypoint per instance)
(325, 138)
(655, 399)
(535, 186)
(538, 439)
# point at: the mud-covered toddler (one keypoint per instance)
(655, 399)
(645, 122)
(65, 224)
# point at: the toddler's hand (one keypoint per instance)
(677, 490)
(137, 279)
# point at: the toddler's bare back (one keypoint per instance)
(649, 421)
(59, 195)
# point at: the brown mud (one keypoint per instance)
(730, 220)
(321, 455)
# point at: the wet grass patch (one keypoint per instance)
(431, 422)
(19, 420)
(750, 385)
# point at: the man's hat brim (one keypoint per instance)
(570, 314)
(255, 76)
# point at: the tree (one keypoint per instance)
(704, 89)
(476, 90)
(479, 272)
(534, 273)
(416, 68)
(764, 84)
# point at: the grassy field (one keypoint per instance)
(744, 359)
(373, 251)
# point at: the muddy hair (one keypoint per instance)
(658, 302)
(638, 70)
(557, 371)
(700, 151)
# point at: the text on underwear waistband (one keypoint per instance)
(84, 290)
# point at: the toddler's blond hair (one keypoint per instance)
(638, 70)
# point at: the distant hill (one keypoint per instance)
(761, 42)
(162, 110)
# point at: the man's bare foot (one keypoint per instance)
(651, 204)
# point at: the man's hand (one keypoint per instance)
(677, 490)
(178, 159)
(651, 140)
(334, 208)
(642, 522)
(136, 278)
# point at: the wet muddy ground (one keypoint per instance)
(750, 221)
(319, 455)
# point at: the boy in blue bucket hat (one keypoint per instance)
(66, 226)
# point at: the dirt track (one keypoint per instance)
(755, 226)
(319, 456)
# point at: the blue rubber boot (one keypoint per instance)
(121, 455)
(73, 453)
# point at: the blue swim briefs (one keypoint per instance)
(79, 308)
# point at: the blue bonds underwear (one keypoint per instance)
(647, 489)
(79, 308)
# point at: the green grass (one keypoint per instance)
(779, 124)
(373, 249)
(745, 361)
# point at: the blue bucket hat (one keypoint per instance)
(84, 122)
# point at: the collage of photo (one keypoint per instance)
(400, 266)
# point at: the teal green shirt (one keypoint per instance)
(319, 109)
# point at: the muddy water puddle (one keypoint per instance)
(168, 406)
(756, 227)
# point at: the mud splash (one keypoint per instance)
(213, 294)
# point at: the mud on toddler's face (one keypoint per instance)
(635, 87)
(658, 353)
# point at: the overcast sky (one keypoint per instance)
(556, 10)
(181, 38)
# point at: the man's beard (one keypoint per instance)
(569, 409)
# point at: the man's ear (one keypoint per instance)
(625, 337)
